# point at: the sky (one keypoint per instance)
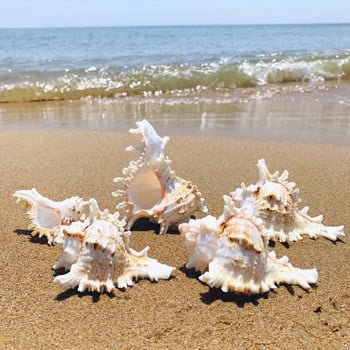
(82, 13)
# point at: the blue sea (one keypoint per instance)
(73, 63)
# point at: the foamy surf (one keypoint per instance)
(46, 64)
(171, 79)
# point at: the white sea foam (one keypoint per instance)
(318, 70)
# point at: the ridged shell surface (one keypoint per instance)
(274, 200)
(99, 258)
(231, 253)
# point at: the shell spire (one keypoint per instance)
(153, 145)
(231, 253)
(47, 216)
(274, 200)
(149, 188)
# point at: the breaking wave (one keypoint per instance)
(171, 79)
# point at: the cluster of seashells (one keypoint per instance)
(231, 252)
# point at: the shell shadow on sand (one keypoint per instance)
(240, 300)
(95, 296)
(214, 294)
(33, 239)
(144, 224)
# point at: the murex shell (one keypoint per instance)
(231, 253)
(99, 258)
(274, 200)
(46, 216)
(95, 246)
(149, 188)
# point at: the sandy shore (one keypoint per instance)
(181, 313)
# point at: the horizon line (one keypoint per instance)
(174, 25)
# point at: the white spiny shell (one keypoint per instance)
(274, 200)
(231, 251)
(72, 235)
(98, 255)
(47, 216)
(150, 187)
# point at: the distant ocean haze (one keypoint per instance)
(73, 63)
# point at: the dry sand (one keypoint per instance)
(181, 313)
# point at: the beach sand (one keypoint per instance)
(180, 313)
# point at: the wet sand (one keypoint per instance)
(288, 112)
(180, 313)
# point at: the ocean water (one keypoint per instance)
(76, 63)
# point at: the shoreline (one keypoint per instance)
(309, 113)
(181, 312)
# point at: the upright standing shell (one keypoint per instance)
(232, 255)
(98, 255)
(47, 216)
(151, 189)
(275, 200)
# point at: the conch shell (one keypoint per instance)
(151, 189)
(274, 200)
(46, 216)
(231, 252)
(99, 258)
